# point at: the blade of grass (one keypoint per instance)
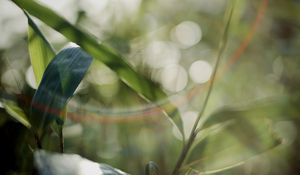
(17, 113)
(273, 108)
(222, 46)
(239, 140)
(140, 84)
(40, 50)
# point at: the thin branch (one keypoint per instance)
(194, 132)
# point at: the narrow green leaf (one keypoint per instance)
(140, 84)
(279, 108)
(231, 142)
(40, 51)
(232, 135)
(16, 113)
(60, 80)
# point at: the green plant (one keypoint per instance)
(59, 74)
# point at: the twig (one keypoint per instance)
(194, 132)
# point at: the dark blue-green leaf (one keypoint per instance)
(61, 78)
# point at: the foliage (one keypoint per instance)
(103, 100)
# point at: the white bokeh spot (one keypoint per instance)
(187, 34)
(174, 78)
(200, 71)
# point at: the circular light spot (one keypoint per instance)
(174, 78)
(187, 34)
(30, 78)
(159, 54)
(200, 71)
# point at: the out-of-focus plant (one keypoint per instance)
(217, 142)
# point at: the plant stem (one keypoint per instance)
(61, 139)
(195, 128)
(38, 141)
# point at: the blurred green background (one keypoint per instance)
(174, 43)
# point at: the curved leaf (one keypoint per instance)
(58, 84)
(234, 134)
(40, 51)
(17, 113)
(277, 108)
(231, 142)
(140, 84)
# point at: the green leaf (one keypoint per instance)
(232, 135)
(230, 140)
(276, 108)
(140, 84)
(230, 148)
(16, 113)
(65, 164)
(40, 51)
(60, 80)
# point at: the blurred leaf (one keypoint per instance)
(140, 84)
(67, 164)
(228, 143)
(233, 135)
(3, 116)
(40, 51)
(16, 113)
(277, 108)
(152, 168)
(59, 82)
